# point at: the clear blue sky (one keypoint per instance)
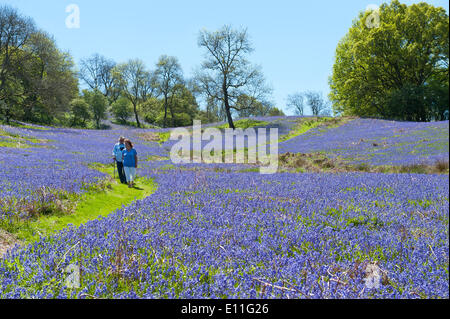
(294, 40)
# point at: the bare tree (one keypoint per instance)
(96, 72)
(318, 105)
(90, 71)
(170, 78)
(226, 74)
(296, 102)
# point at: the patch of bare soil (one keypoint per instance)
(149, 136)
(7, 241)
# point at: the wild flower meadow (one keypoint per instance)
(218, 231)
(376, 142)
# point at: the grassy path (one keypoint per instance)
(90, 206)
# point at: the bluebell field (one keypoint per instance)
(219, 231)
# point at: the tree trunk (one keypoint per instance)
(173, 117)
(230, 119)
(136, 115)
(165, 110)
(171, 111)
(227, 105)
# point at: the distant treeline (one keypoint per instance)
(40, 83)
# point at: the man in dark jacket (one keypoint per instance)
(117, 156)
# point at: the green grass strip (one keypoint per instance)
(89, 206)
(306, 124)
(244, 124)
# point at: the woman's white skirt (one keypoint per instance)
(130, 173)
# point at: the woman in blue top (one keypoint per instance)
(129, 156)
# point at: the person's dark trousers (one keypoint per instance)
(122, 177)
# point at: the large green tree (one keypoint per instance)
(394, 66)
(98, 104)
(37, 81)
(15, 31)
(49, 79)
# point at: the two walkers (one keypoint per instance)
(126, 160)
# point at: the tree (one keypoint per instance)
(49, 79)
(296, 102)
(80, 112)
(226, 74)
(316, 102)
(212, 110)
(414, 103)
(183, 104)
(276, 112)
(37, 80)
(407, 52)
(96, 72)
(135, 83)
(97, 103)
(122, 110)
(247, 106)
(185, 107)
(169, 78)
(15, 30)
(151, 109)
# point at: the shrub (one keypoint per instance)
(122, 110)
(441, 166)
(80, 112)
(363, 167)
(414, 168)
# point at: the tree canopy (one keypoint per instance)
(37, 80)
(135, 83)
(169, 80)
(396, 69)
